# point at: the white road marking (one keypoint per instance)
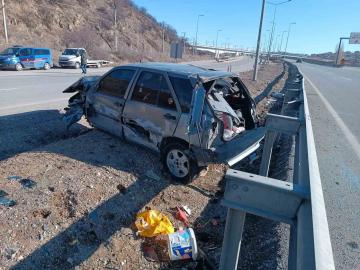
(348, 134)
(345, 78)
(7, 89)
(33, 104)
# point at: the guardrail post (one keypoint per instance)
(267, 150)
(232, 239)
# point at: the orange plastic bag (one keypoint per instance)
(152, 222)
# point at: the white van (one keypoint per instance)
(71, 57)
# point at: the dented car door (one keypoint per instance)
(151, 111)
(105, 104)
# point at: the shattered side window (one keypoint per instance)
(147, 87)
(116, 82)
(183, 90)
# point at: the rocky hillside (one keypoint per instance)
(88, 23)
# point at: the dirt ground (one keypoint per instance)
(88, 187)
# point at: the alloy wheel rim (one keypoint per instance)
(178, 163)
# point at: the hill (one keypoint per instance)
(91, 24)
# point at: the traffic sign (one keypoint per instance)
(176, 50)
(354, 38)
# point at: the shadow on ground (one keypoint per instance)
(26, 131)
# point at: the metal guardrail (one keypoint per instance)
(300, 203)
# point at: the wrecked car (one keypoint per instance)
(190, 115)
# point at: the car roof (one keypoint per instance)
(184, 69)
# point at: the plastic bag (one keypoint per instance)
(151, 223)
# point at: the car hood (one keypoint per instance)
(5, 56)
(67, 57)
(83, 84)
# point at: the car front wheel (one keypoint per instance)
(77, 65)
(18, 67)
(178, 163)
(47, 66)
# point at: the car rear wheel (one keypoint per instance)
(18, 67)
(47, 66)
(178, 163)
(77, 65)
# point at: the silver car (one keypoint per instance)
(190, 115)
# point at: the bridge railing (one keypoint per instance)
(299, 203)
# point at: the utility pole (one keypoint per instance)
(163, 37)
(287, 40)
(4, 18)
(184, 33)
(115, 27)
(258, 42)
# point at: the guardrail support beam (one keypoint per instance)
(267, 151)
(232, 239)
(263, 196)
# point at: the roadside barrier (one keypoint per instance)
(299, 203)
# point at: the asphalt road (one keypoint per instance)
(334, 101)
(31, 90)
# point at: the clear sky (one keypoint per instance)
(319, 23)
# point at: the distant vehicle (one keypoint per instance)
(190, 115)
(298, 60)
(71, 57)
(19, 58)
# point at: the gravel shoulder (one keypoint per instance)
(89, 187)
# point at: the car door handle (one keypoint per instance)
(118, 104)
(169, 116)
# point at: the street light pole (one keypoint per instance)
(273, 23)
(287, 40)
(197, 29)
(216, 43)
(282, 36)
(276, 42)
(4, 18)
(259, 41)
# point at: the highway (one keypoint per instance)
(31, 90)
(334, 101)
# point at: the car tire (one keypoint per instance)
(47, 66)
(178, 163)
(18, 67)
(77, 65)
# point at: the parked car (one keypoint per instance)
(190, 115)
(71, 57)
(19, 58)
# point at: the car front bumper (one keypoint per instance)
(67, 63)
